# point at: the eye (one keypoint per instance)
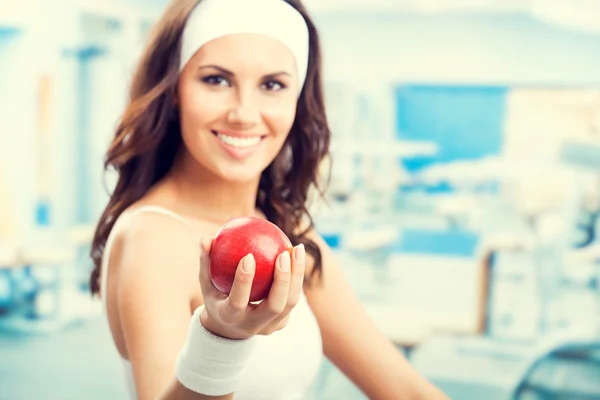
(274, 85)
(216, 80)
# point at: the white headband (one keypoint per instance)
(212, 19)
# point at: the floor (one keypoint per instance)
(79, 362)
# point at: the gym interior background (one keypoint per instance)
(464, 202)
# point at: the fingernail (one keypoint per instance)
(248, 264)
(284, 261)
(299, 253)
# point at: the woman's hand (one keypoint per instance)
(233, 316)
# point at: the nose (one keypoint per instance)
(244, 113)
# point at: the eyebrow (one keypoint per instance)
(228, 72)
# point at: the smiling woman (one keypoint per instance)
(226, 119)
(243, 88)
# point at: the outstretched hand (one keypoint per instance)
(233, 316)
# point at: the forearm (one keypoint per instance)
(208, 366)
(403, 384)
(401, 381)
(387, 376)
(417, 387)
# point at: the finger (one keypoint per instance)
(206, 284)
(275, 325)
(296, 282)
(282, 324)
(278, 294)
(206, 245)
(239, 296)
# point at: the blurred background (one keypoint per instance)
(464, 202)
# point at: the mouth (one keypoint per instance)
(239, 142)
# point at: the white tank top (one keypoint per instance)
(283, 365)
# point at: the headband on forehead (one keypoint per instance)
(212, 19)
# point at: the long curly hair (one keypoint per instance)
(148, 138)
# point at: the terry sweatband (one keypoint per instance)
(212, 19)
(209, 364)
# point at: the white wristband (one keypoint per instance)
(209, 364)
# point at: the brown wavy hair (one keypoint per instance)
(148, 138)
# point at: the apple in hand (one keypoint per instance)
(234, 240)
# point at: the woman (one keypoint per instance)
(226, 119)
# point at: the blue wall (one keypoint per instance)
(466, 122)
(7, 33)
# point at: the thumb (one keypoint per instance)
(205, 281)
(205, 246)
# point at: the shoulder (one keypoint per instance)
(153, 224)
(154, 248)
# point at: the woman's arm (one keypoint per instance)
(157, 271)
(162, 278)
(355, 345)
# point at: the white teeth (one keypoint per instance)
(239, 142)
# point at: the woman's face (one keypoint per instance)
(237, 102)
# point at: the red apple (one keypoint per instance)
(234, 240)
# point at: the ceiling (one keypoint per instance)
(409, 5)
(583, 15)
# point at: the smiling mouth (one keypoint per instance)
(238, 142)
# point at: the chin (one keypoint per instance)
(240, 174)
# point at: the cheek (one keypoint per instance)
(281, 118)
(197, 110)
